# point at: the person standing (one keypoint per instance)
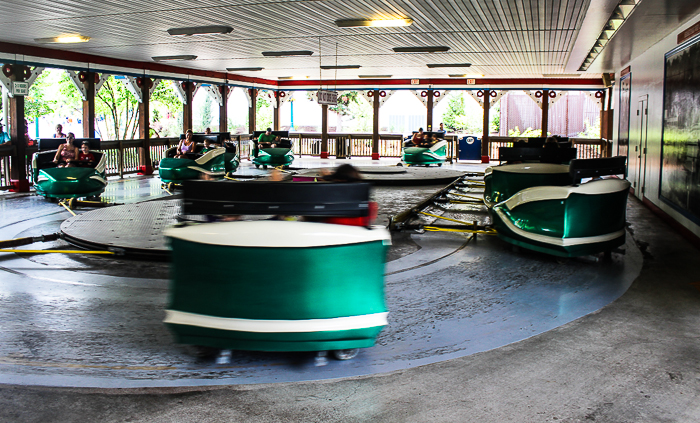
(4, 136)
(59, 132)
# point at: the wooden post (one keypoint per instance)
(89, 105)
(545, 112)
(252, 108)
(18, 128)
(485, 136)
(223, 109)
(276, 112)
(188, 87)
(324, 131)
(375, 125)
(429, 123)
(145, 163)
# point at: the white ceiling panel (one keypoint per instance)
(504, 38)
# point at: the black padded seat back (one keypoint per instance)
(44, 159)
(230, 147)
(519, 154)
(279, 198)
(53, 143)
(98, 157)
(214, 137)
(527, 154)
(593, 168)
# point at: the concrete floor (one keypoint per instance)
(635, 360)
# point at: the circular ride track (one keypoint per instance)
(93, 321)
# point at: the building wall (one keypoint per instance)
(648, 83)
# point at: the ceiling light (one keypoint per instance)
(561, 75)
(449, 65)
(292, 77)
(288, 53)
(374, 76)
(353, 23)
(244, 69)
(428, 49)
(200, 30)
(341, 67)
(167, 58)
(457, 75)
(64, 39)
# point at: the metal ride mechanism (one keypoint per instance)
(463, 196)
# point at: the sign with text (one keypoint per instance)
(327, 97)
(471, 81)
(20, 88)
(415, 81)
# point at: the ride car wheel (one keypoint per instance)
(346, 354)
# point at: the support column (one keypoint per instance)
(375, 125)
(429, 123)
(252, 109)
(545, 112)
(187, 122)
(18, 161)
(276, 112)
(324, 131)
(223, 109)
(145, 164)
(89, 105)
(485, 135)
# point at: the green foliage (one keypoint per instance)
(206, 116)
(263, 113)
(528, 133)
(590, 131)
(35, 105)
(495, 114)
(345, 101)
(463, 116)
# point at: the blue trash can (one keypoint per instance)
(470, 148)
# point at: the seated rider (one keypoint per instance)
(429, 142)
(86, 158)
(348, 173)
(267, 140)
(418, 137)
(67, 152)
(186, 146)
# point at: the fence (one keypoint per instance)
(123, 156)
(587, 148)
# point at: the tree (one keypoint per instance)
(263, 112)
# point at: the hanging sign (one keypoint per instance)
(327, 97)
(20, 88)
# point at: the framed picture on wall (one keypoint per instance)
(680, 150)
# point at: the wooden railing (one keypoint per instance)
(587, 148)
(5, 153)
(123, 156)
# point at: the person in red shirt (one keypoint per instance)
(86, 157)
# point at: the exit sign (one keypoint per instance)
(20, 88)
(471, 81)
(415, 81)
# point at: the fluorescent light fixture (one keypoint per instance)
(288, 53)
(173, 58)
(244, 69)
(464, 75)
(448, 65)
(561, 75)
(292, 77)
(427, 49)
(374, 76)
(355, 23)
(341, 67)
(617, 18)
(64, 39)
(200, 30)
